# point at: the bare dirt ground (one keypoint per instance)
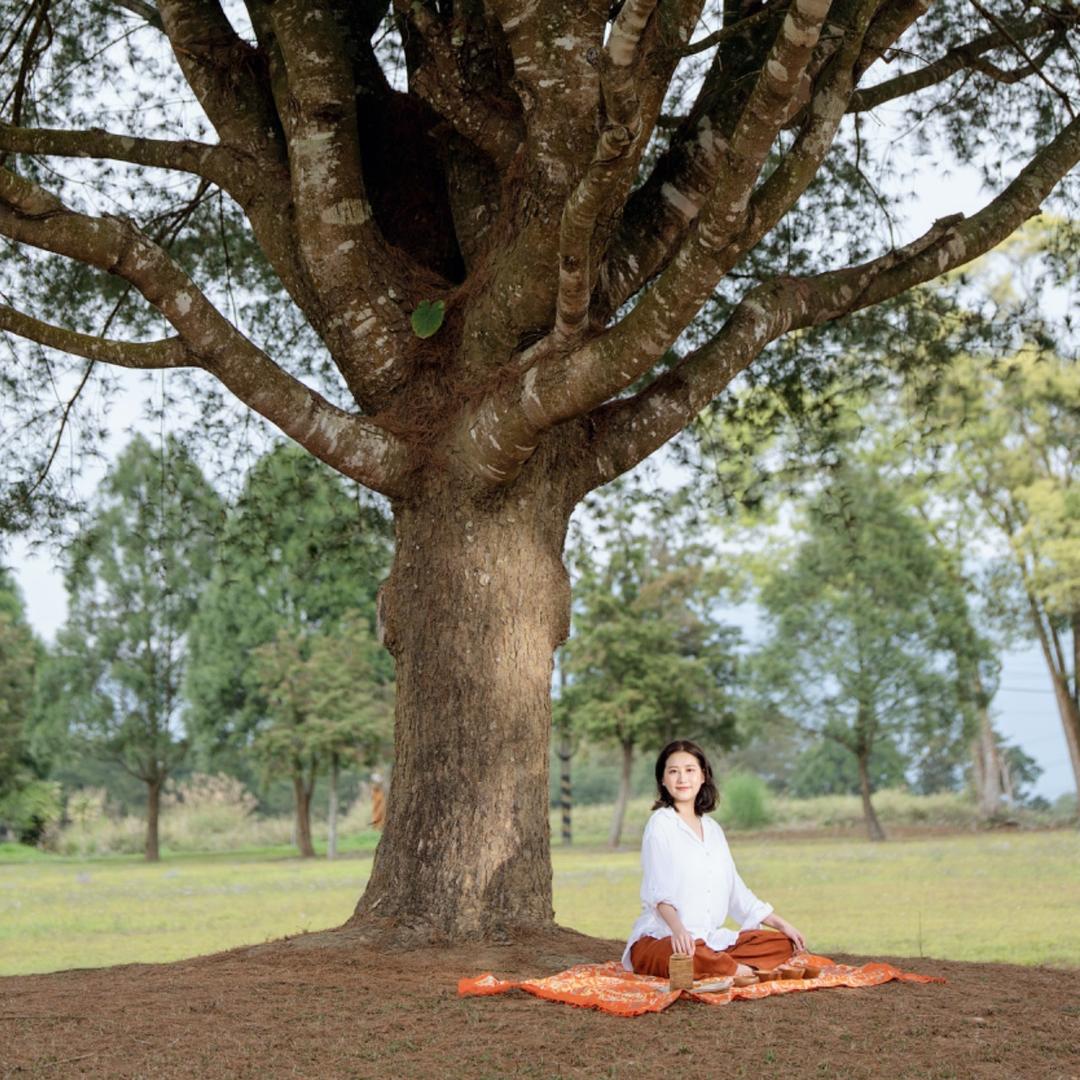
(328, 1005)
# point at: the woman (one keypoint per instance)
(689, 884)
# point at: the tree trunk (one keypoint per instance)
(624, 794)
(153, 813)
(474, 608)
(565, 790)
(331, 810)
(1070, 722)
(873, 826)
(302, 801)
(1066, 703)
(988, 767)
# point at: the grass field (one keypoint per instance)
(992, 897)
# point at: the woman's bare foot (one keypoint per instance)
(743, 969)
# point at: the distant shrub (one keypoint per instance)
(31, 809)
(744, 803)
(92, 830)
(1065, 809)
(205, 812)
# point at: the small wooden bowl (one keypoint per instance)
(767, 976)
(792, 973)
(811, 972)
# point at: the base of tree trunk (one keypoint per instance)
(472, 613)
(378, 933)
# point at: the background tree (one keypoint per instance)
(352, 705)
(648, 660)
(17, 662)
(328, 699)
(466, 258)
(856, 652)
(134, 577)
(769, 454)
(298, 553)
(1008, 438)
(28, 801)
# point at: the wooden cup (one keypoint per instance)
(681, 972)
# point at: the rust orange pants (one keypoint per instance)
(759, 949)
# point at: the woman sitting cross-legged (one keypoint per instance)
(689, 884)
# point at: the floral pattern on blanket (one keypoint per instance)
(612, 989)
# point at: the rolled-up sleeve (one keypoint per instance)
(658, 869)
(744, 907)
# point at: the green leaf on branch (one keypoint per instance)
(428, 317)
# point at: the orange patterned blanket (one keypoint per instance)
(612, 989)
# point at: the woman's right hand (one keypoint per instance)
(682, 942)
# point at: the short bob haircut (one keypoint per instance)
(706, 797)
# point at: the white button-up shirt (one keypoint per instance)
(696, 877)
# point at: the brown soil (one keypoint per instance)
(330, 1005)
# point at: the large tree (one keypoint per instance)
(496, 221)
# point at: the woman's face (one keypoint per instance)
(683, 777)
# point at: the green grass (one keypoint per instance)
(21, 853)
(989, 897)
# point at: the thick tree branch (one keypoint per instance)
(356, 446)
(225, 74)
(670, 203)
(959, 58)
(360, 281)
(213, 163)
(620, 130)
(559, 384)
(496, 131)
(151, 355)
(625, 432)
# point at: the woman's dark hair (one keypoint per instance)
(706, 797)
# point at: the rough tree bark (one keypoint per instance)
(476, 604)
(505, 184)
(1058, 667)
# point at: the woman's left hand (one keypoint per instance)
(781, 924)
